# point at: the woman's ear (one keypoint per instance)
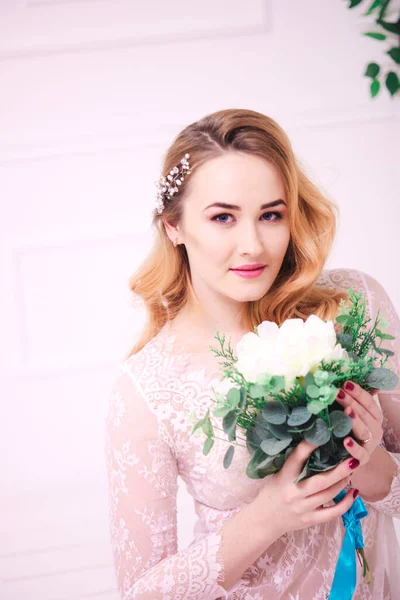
(172, 230)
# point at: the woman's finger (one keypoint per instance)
(364, 398)
(356, 450)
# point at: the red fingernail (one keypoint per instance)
(355, 493)
(352, 415)
(341, 394)
(354, 463)
(349, 386)
(349, 443)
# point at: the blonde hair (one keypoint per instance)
(163, 280)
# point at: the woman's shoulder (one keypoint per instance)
(373, 290)
(160, 358)
(344, 278)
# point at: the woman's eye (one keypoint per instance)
(277, 216)
(217, 217)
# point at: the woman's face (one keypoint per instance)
(219, 239)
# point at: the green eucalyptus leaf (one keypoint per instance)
(382, 379)
(319, 434)
(325, 453)
(321, 377)
(207, 425)
(221, 410)
(326, 391)
(208, 444)
(277, 384)
(229, 425)
(341, 423)
(315, 407)
(266, 462)
(300, 415)
(199, 425)
(253, 441)
(259, 457)
(243, 398)
(345, 340)
(331, 377)
(301, 428)
(345, 320)
(354, 3)
(383, 335)
(274, 412)
(385, 351)
(313, 391)
(280, 431)
(233, 397)
(258, 391)
(261, 426)
(228, 456)
(264, 379)
(353, 356)
(274, 446)
(308, 380)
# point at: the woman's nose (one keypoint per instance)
(249, 241)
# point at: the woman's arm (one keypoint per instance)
(384, 470)
(142, 474)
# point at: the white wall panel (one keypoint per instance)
(92, 93)
(37, 27)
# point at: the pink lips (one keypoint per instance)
(249, 273)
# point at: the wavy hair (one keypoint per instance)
(163, 280)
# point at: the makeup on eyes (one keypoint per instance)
(278, 216)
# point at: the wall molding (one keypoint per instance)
(99, 27)
(131, 139)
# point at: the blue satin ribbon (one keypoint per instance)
(345, 578)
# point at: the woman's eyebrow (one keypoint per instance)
(235, 207)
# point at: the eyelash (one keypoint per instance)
(278, 216)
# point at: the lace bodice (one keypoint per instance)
(148, 445)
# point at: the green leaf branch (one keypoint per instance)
(386, 31)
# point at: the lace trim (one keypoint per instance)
(193, 573)
(240, 584)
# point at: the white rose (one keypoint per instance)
(293, 349)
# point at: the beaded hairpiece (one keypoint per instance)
(167, 186)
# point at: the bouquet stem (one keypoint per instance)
(364, 563)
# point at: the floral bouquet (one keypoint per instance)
(281, 389)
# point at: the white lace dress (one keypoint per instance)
(148, 444)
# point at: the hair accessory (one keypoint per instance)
(169, 186)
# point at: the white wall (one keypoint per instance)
(91, 94)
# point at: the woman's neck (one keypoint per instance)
(199, 332)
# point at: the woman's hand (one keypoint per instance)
(288, 506)
(367, 420)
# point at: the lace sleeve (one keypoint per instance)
(378, 299)
(142, 483)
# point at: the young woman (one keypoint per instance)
(242, 237)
